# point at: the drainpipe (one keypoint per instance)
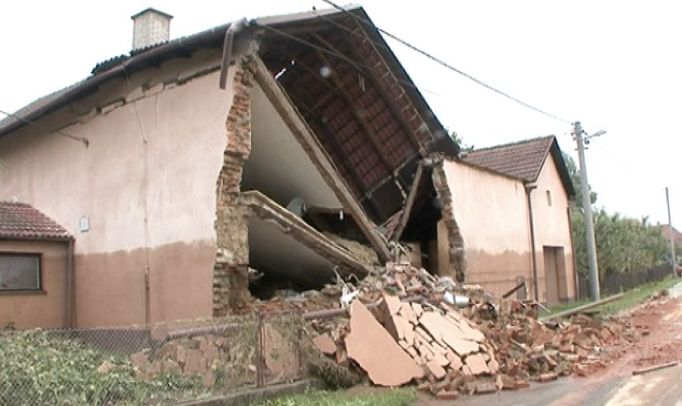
(70, 271)
(576, 282)
(529, 188)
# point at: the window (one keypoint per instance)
(19, 272)
(549, 198)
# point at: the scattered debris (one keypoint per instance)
(653, 368)
(404, 325)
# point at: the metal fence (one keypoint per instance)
(156, 364)
(619, 282)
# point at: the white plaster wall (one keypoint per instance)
(278, 166)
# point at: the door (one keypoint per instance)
(551, 274)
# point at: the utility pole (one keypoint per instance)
(587, 209)
(673, 258)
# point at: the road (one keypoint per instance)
(615, 385)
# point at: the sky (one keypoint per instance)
(612, 65)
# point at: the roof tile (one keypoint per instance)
(22, 221)
(522, 160)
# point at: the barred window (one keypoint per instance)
(19, 271)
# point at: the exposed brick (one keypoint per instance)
(230, 276)
(455, 239)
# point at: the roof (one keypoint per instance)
(371, 131)
(522, 160)
(22, 221)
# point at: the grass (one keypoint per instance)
(392, 397)
(630, 298)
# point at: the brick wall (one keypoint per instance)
(230, 278)
(455, 241)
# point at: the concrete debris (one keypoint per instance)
(402, 330)
(377, 353)
(325, 344)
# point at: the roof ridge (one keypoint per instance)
(510, 144)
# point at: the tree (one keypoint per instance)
(623, 244)
(460, 142)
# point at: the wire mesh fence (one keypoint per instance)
(618, 282)
(155, 364)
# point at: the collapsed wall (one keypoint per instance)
(230, 280)
(451, 239)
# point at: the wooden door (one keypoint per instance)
(551, 275)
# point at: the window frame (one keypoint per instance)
(40, 287)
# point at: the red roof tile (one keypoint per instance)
(522, 160)
(22, 221)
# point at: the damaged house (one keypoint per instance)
(195, 174)
(512, 206)
(291, 148)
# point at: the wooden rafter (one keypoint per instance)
(382, 93)
(319, 157)
(359, 115)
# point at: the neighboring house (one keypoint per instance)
(510, 203)
(173, 167)
(667, 230)
(35, 268)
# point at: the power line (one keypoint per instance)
(447, 65)
(362, 68)
(84, 140)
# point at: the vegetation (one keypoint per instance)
(389, 397)
(623, 244)
(37, 367)
(630, 298)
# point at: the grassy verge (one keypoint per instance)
(630, 298)
(393, 397)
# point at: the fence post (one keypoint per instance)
(260, 361)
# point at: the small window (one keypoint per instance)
(19, 272)
(549, 198)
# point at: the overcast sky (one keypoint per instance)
(613, 65)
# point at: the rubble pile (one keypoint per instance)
(406, 325)
(531, 349)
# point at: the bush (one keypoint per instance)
(38, 367)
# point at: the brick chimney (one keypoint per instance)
(150, 27)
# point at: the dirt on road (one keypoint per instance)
(611, 382)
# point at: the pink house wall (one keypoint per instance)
(147, 183)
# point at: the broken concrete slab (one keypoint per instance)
(477, 365)
(377, 353)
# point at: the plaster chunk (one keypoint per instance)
(477, 365)
(325, 344)
(377, 353)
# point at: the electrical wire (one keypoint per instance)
(362, 68)
(84, 140)
(447, 65)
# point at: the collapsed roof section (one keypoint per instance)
(358, 100)
(281, 242)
